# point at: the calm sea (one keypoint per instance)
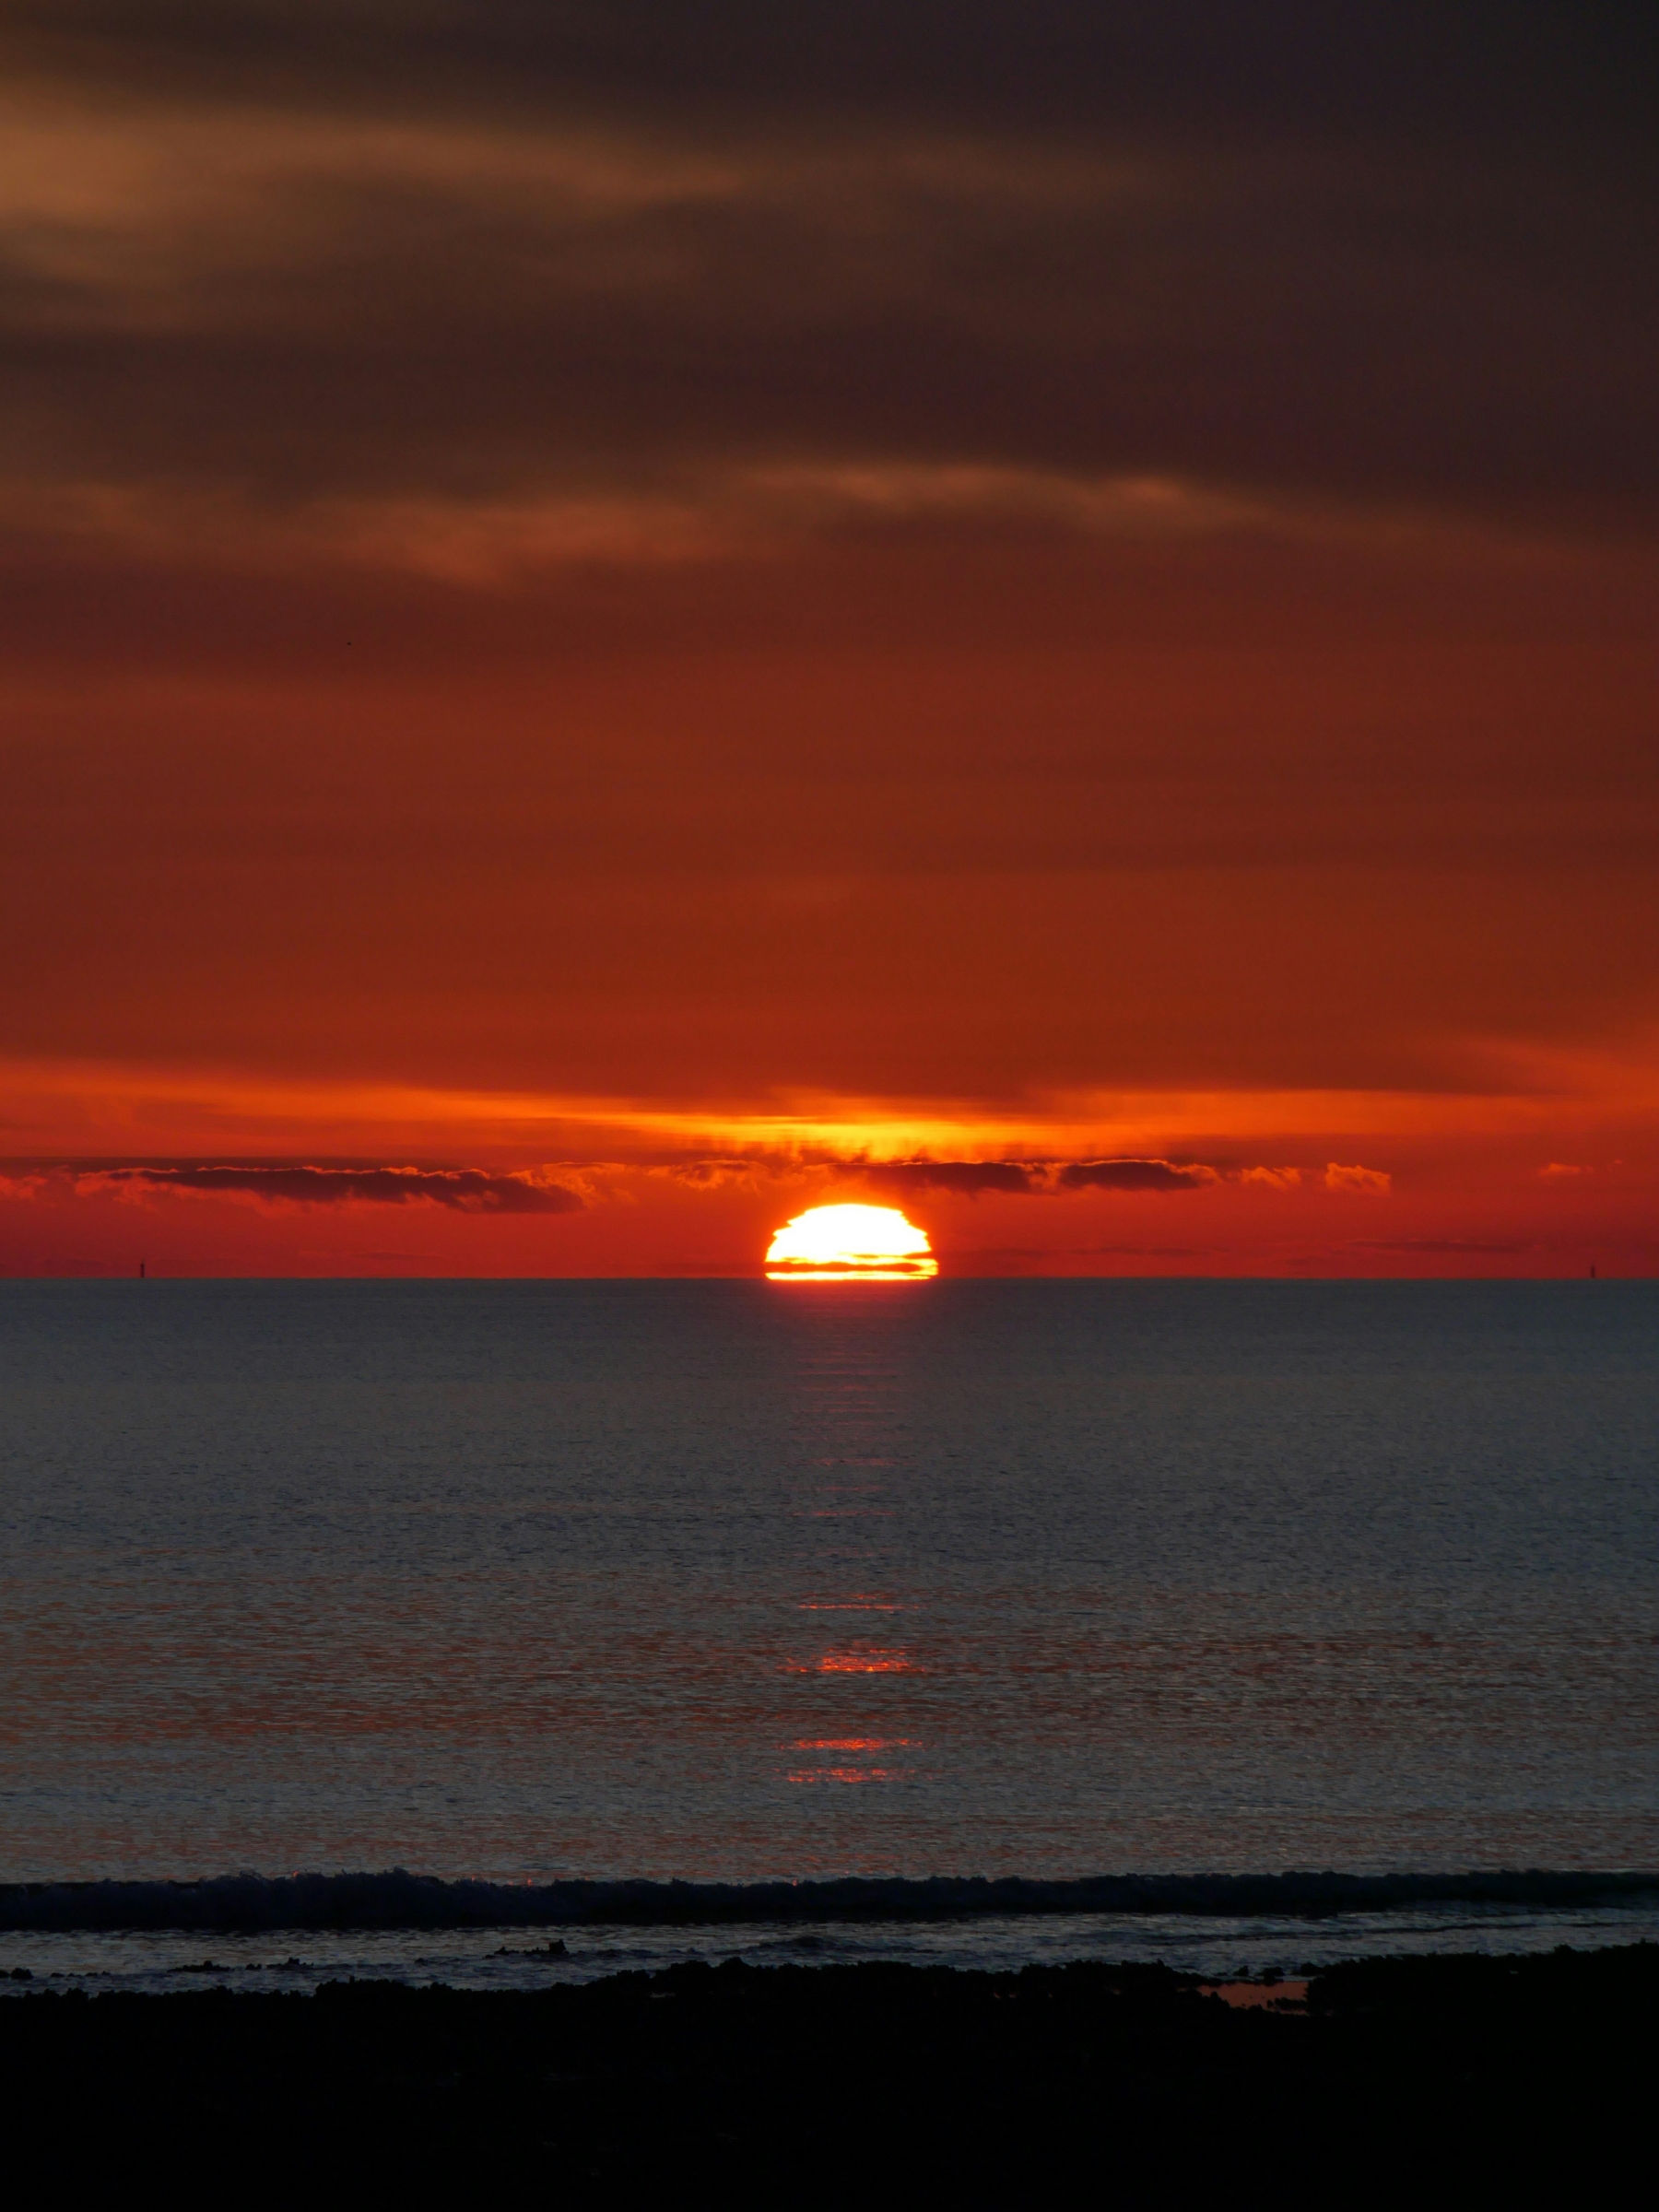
(733, 1581)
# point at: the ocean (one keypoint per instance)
(555, 1583)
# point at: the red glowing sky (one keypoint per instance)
(1039, 614)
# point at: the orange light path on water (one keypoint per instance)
(854, 1743)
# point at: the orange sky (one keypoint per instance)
(1051, 620)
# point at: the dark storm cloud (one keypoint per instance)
(462, 1190)
(955, 1178)
(1133, 1175)
(1030, 1179)
(1341, 253)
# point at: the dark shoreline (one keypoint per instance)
(843, 2084)
(396, 1898)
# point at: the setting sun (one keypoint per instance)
(851, 1243)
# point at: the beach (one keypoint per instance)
(841, 2085)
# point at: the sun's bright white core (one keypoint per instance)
(851, 1243)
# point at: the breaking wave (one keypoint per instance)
(399, 1900)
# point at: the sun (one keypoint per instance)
(851, 1243)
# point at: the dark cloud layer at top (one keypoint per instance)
(1392, 252)
(1521, 65)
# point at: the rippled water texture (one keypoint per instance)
(737, 1580)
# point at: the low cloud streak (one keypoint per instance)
(1049, 1179)
(462, 1190)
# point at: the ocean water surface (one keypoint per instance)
(745, 1581)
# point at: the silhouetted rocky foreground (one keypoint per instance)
(851, 2085)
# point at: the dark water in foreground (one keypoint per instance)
(730, 1581)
